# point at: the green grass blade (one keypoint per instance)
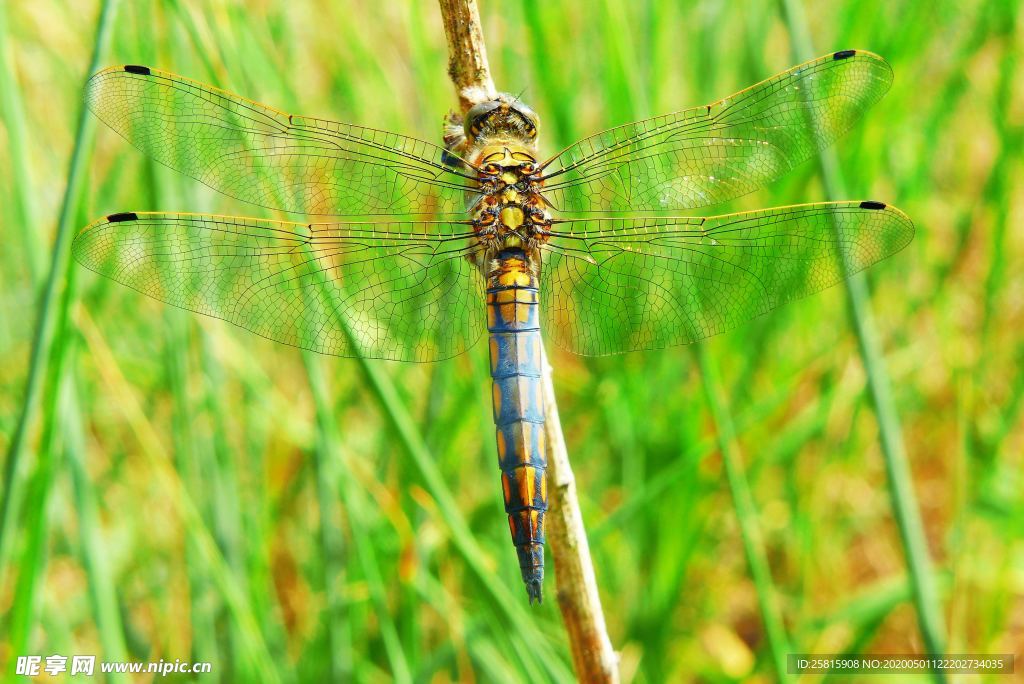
(333, 552)
(253, 653)
(901, 490)
(35, 556)
(746, 513)
(13, 114)
(47, 320)
(330, 484)
(102, 584)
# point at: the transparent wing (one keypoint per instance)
(615, 285)
(400, 290)
(276, 160)
(707, 155)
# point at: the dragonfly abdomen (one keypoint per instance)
(515, 350)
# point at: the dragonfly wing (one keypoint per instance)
(272, 159)
(400, 290)
(616, 285)
(707, 155)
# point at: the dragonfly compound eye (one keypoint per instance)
(528, 118)
(477, 115)
(492, 169)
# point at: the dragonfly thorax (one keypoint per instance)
(511, 211)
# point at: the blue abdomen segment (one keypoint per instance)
(515, 351)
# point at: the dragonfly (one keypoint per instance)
(426, 247)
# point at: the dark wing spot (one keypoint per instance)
(123, 216)
(872, 205)
(449, 159)
(843, 54)
(136, 69)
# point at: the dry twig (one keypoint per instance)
(592, 653)
(467, 56)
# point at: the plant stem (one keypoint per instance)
(593, 656)
(467, 55)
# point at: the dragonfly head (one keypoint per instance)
(504, 117)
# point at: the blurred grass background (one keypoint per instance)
(193, 491)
